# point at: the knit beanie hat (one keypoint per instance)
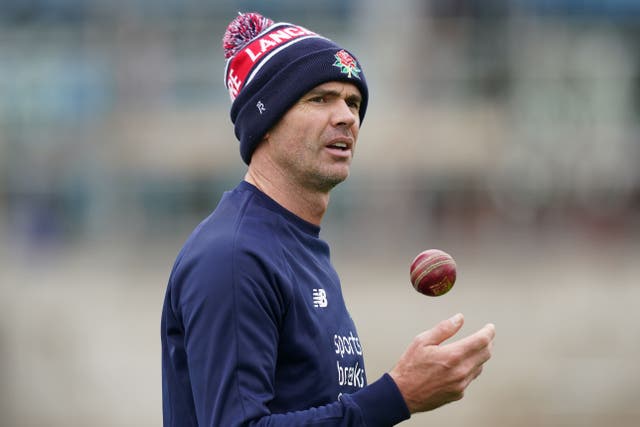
(270, 66)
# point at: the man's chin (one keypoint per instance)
(327, 182)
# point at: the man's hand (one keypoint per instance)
(430, 375)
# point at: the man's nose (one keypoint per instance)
(344, 115)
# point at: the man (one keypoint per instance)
(254, 326)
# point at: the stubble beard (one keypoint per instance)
(324, 178)
(326, 183)
(315, 175)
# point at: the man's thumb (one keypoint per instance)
(444, 330)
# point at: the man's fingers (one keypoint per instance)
(442, 331)
(491, 330)
(477, 341)
(477, 372)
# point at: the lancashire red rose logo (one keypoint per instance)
(347, 64)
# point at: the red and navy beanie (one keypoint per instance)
(270, 66)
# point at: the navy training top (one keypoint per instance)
(255, 331)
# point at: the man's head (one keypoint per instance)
(313, 143)
(270, 66)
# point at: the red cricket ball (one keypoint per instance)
(433, 272)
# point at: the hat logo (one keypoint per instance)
(347, 64)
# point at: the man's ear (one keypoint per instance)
(264, 140)
(260, 146)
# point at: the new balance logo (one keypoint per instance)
(320, 298)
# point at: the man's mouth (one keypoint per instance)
(339, 146)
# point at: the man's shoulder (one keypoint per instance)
(237, 226)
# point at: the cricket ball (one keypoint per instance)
(433, 272)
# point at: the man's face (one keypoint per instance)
(314, 142)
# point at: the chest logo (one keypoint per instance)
(320, 298)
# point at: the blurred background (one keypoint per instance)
(504, 132)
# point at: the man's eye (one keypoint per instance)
(320, 99)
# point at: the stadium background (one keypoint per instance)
(505, 132)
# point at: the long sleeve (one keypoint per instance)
(252, 336)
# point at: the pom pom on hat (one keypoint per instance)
(270, 66)
(244, 28)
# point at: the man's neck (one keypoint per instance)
(307, 204)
